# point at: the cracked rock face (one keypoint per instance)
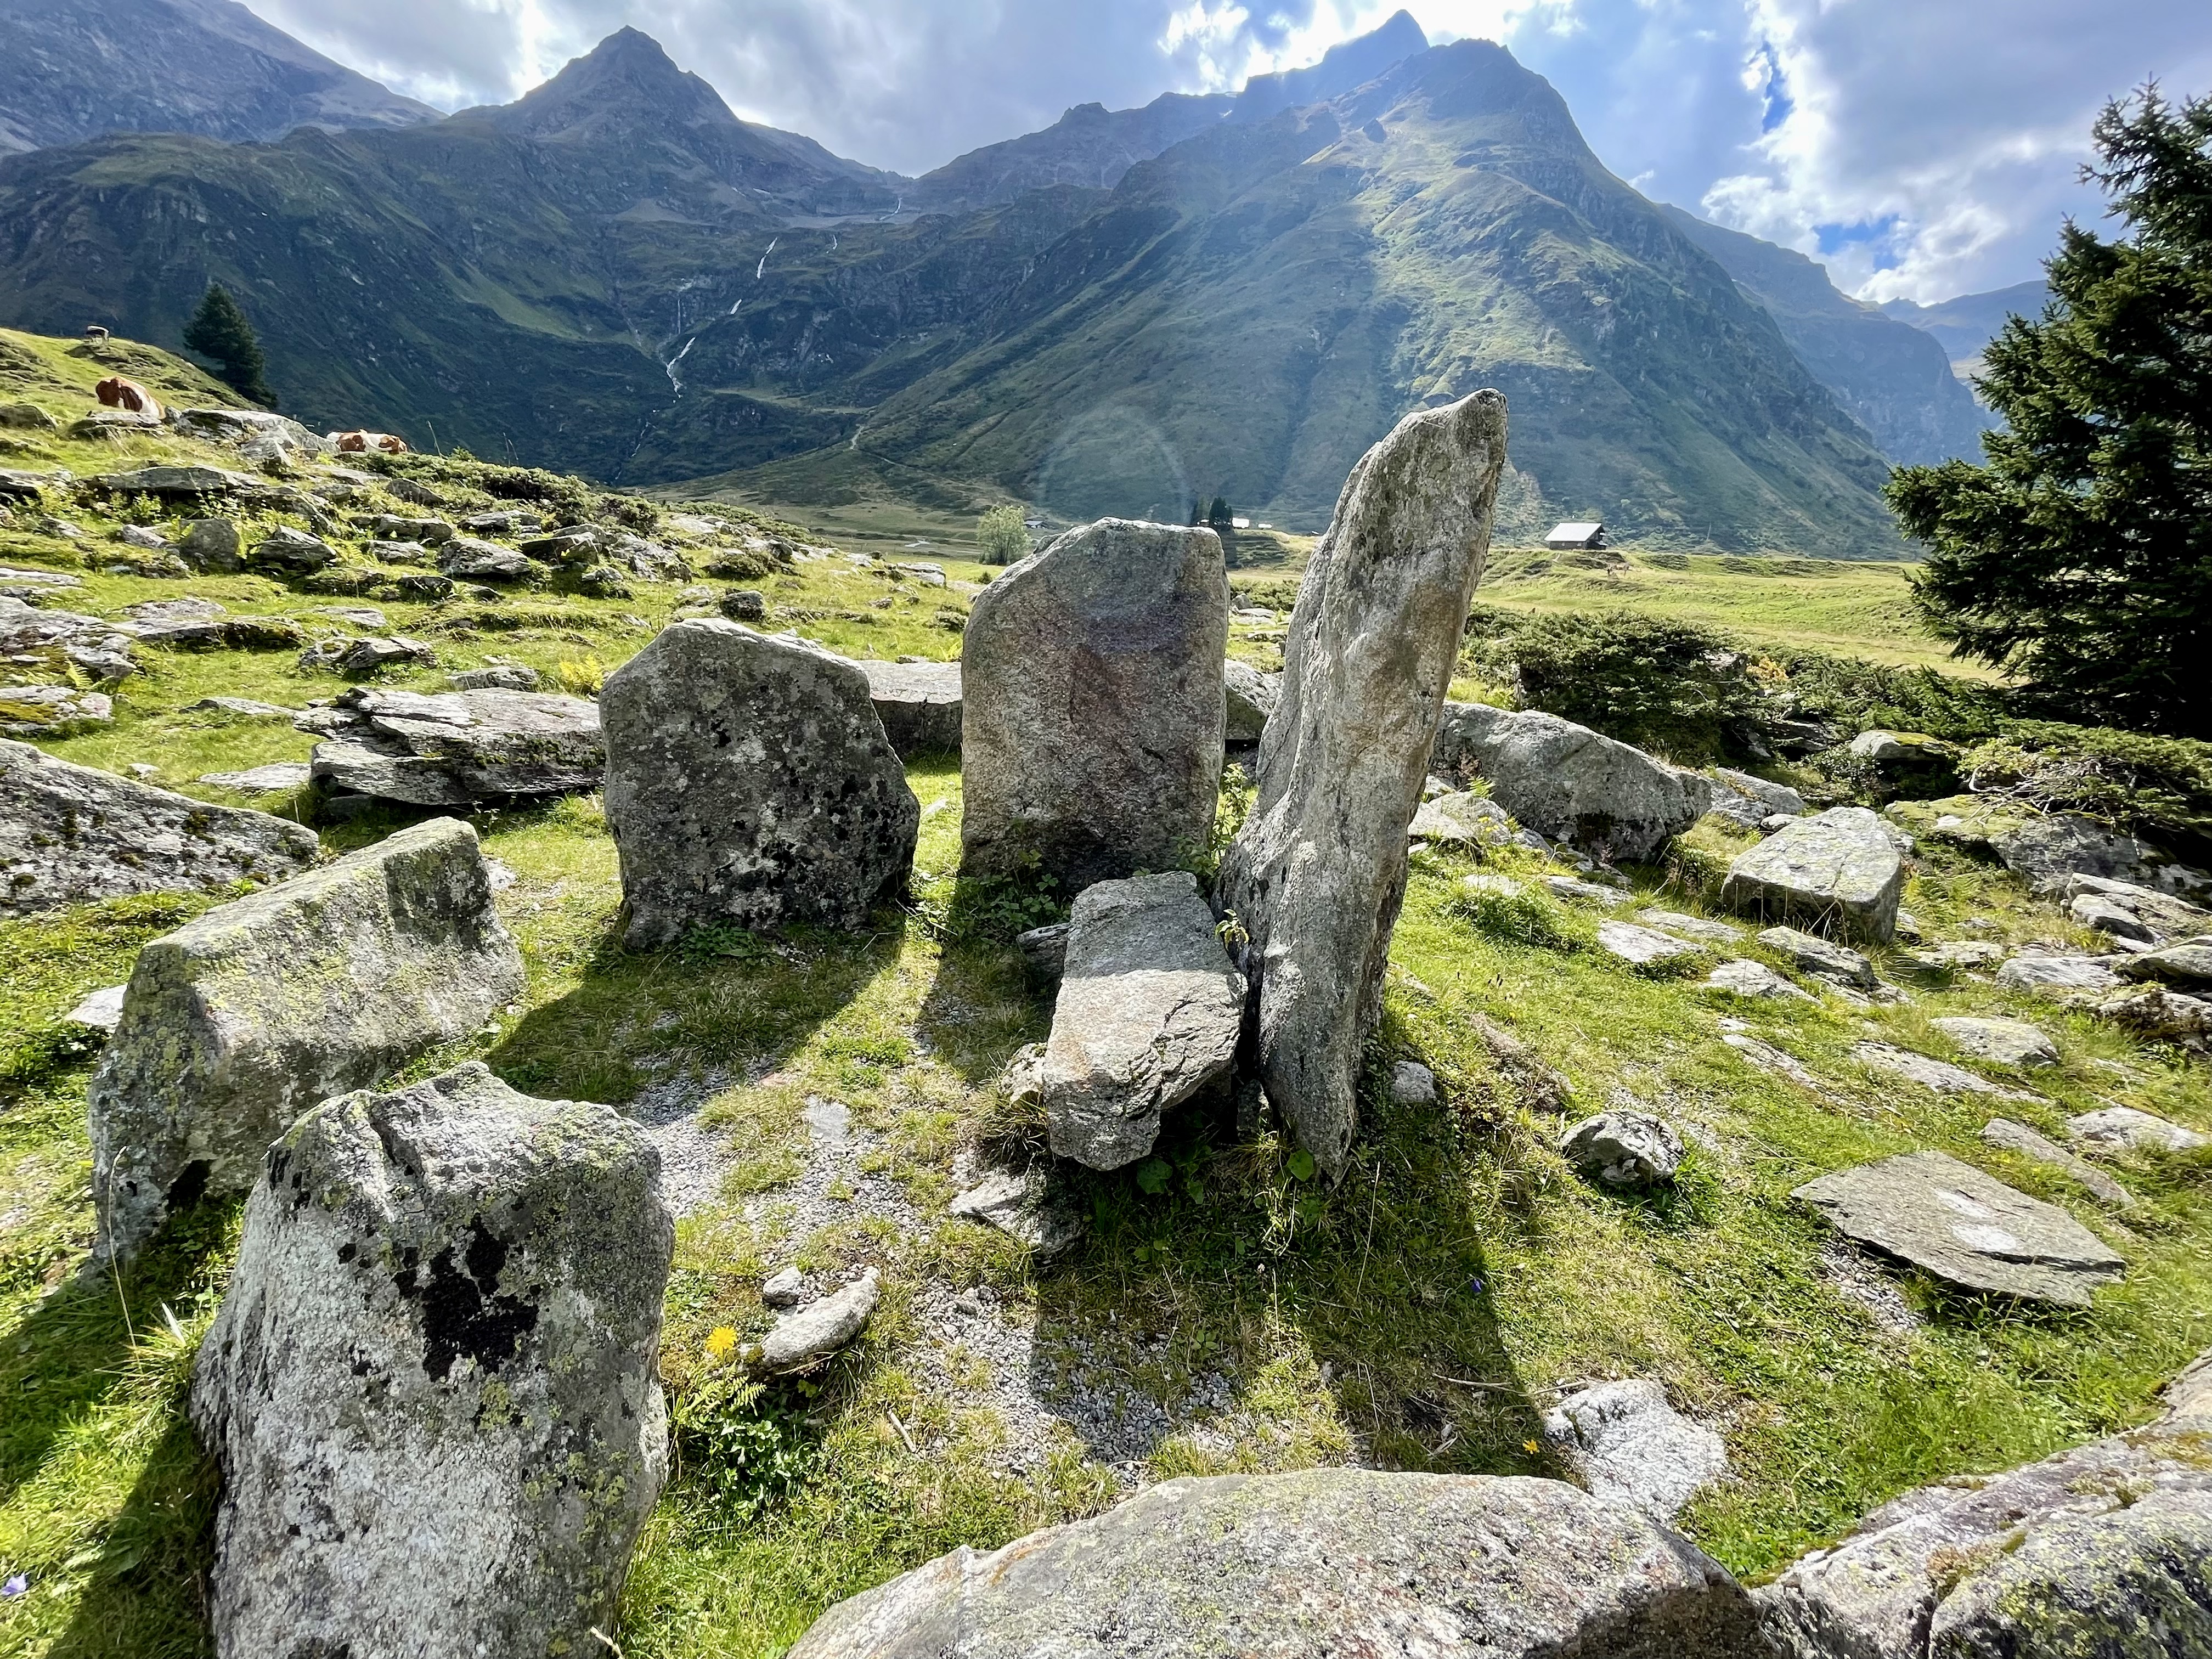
(1569, 782)
(258, 1010)
(1322, 1562)
(750, 781)
(1316, 876)
(458, 748)
(1091, 737)
(431, 1387)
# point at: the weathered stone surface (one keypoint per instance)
(256, 1010)
(1565, 781)
(749, 780)
(2163, 916)
(1250, 700)
(2045, 851)
(1091, 736)
(70, 833)
(2092, 910)
(214, 545)
(1045, 948)
(464, 558)
(1630, 1447)
(802, 1340)
(1952, 955)
(2103, 1550)
(783, 1288)
(505, 677)
(1315, 877)
(1753, 979)
(2188, 965)
(184, 623)
(1697, 927)
(431, 1389)
(2122, 1128)
(2002, 1042)
(1965, 1228)
(1413, 1083)
(174, 481)
(86, 643)
(1586, 892)
(458, 748)
(919, 703)
(268, 779)
(1821, 956)
(1768, 1058)
(1837, 870)
(99, 1012)
(1774, 797)
(1641, 947)
(1940, 1076)
(51, 711)
(1148, 1014)
(1623, 1149)
(2058, 974)
(1324, 1562)
(244, 707)
(1027, 1207)
(1462, 820)
(2162, 1014)
(2019, 1138)
(285, 551)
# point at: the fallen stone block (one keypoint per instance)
(1837, 869)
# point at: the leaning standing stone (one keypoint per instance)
(1839, 868)
(431, 1388)
(750, 781)
(1090, 738)
(259, 1009)
(1316, 877)
(1148, 1015)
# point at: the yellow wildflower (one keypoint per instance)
(721, 1340)
(1528, 1446)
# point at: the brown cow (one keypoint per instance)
(357, 443)
(116, 392)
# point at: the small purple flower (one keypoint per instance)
(1474, 1287)
(18, 1585)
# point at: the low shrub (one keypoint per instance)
(2157, 788)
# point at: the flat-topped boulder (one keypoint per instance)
(431, 1390)
(1823, 958)
(1838, 871)
(2000, 1041)
(2123, 1128)
(1965, 1228)
(1148, 1014)
(175, 481)
(258, 1008)
(71, 834)
(2059, 976)
(1462, 819)
(1323, 1562)
(919, 703)
(1641, 947)
(1570, 783)
(1092, 734)
(750, 781)
(1938, 1075)
(458, 748)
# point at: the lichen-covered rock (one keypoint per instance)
(1570, 783)
(1029, 1206)
(2103, 1550)
(1837, 870)
(456, 748)
(2045, 851)
(750, 781)
(1631, 1446)
(257, 1010)
(2002, 1042)
(431, 1388)
(1624, 1149)
(1462, 819)
(2123, 1128)
(1091, 739)
(1315, 878)
(919, 703)
(1324, 1562)
(803, 1339)
(1148, 1014)
(53, 711)
(70, 833)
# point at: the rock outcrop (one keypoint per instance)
(431, 1390)
(1322, 1562)
(1568, 782)
(1837, 870)
(456, 748)
(1314, 880)
(750, 783)
(1148, 1014)
(258, 1010)
(1090, 740)
(70, 833)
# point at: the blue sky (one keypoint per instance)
(1919, 148)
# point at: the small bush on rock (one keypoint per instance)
(2156, 787)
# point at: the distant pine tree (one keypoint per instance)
(219, 330)
(1218, 514)
(2080, 558)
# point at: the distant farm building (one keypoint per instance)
(1566, 537)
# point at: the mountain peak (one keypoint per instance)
(626, 75)
(1345, 65)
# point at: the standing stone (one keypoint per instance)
(257, 1010)
(1314, 881)
(1839, 869)
(1090, 738)
(70, 833)
(431, 1389)
(750, 781)
(1148, 1014)
(1570, 783)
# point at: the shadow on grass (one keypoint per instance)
(146, 1597)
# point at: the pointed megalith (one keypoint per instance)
(1315, 878)
(1091, 737)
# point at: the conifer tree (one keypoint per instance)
(2079, 557)
(219, 330)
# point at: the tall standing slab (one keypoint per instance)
(1090, 738)
(750, 783)
(258, 1010)
(1314, 880)
(431, 1390)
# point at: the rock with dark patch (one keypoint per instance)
(2045, 851)
(1250, 700)
(255, 1011)
(1090, 738)
(2103, 1550)
(1568, 782)
(70, 834)
(431, 1390)
(750, 781)
(1751, 801)
(1632, 1447)
(1148, 1014)
(1624, 1149)
(285, 551)
(214, 545)
(1823, 958)
(2187, 965)
(919, 703)
(1838, 871)
(2160, 917)
(502, 677)
(1323, 1562)
(1045, 949)
(1316, 876)
(51, 711)
(458, 748)
(464, 558)
(1965, 1228)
